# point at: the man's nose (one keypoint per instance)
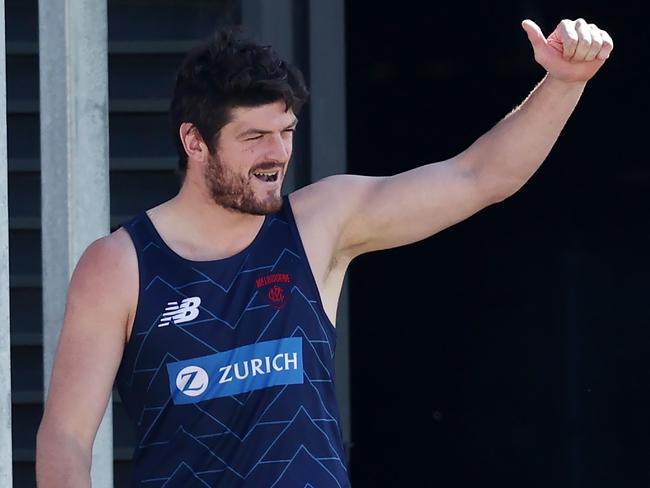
(279, 148)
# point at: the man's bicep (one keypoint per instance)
(408, 207)
(91, 342)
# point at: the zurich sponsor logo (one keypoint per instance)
(239, 370)
(192, 380)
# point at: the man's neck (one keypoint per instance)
(197, 228)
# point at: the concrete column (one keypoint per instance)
(272, 22)
(5, 354)
(74, 167)
(329, 150)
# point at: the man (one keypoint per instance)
(215, 310)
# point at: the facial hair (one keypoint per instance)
(235, 192)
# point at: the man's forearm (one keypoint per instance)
(506, 156)
(61, 463)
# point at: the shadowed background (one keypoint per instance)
(511, 349)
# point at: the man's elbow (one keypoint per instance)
(490, 187)
(495, 190)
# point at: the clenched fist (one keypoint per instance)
(575, 50)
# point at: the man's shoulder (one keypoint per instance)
(114, 247)
(325, 195)
(331, 199)
(110, 261)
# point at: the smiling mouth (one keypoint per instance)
(267, 176)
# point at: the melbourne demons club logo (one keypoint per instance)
(276, 288)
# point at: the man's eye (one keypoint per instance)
(254, 138)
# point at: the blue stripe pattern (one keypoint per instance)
(236, 314)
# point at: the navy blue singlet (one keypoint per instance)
(229, 371)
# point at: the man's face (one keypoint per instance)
(246, 172)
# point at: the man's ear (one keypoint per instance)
(194, 145)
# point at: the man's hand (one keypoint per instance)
(574, 52)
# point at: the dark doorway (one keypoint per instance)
(511, 349)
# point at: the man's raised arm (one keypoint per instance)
(379, 213)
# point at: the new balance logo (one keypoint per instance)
(187, 310)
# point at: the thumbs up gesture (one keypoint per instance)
(575, 50)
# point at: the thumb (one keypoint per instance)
(535, 35)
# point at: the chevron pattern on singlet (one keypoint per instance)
(284, 435)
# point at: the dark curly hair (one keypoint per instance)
(230, 70)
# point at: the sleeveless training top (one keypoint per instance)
(229, 371)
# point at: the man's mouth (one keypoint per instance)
(267, 175)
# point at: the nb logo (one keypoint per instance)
(192, 380)
(185, 312)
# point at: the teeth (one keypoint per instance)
(267, 176)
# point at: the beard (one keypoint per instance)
(235, 192)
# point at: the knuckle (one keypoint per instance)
(584, 30)
(585, 39)
(571, 40)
